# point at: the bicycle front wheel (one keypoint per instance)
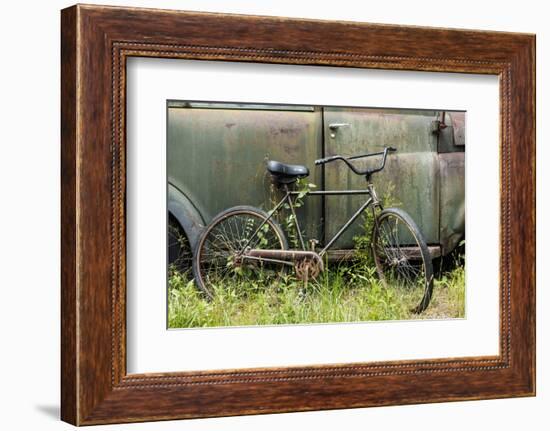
(402, 258)
(218, 261)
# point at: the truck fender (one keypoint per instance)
(190, 219)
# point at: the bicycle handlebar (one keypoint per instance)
(346, 160)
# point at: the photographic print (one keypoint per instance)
(318, 244)
(289, 214)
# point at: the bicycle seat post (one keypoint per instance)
(286, 189)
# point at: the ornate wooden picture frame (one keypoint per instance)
(96, 41)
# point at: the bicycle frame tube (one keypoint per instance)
(373, 200)
(293, 211)
(346, 225)
(334, 192)
(288, 198)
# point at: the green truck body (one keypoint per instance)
(216, 154)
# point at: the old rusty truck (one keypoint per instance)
(216, 156)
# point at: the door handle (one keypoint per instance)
(333, 127)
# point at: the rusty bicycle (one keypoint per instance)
(245, 241)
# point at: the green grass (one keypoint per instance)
(346, 292)
(449, 299)
(342, 294)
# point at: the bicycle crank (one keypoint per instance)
(308, 269)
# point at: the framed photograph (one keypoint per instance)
(265, 214)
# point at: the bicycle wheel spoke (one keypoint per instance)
(220, 259)
(401, 258)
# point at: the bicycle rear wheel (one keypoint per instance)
(402, 258)
(218, 262)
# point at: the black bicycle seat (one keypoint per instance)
(286, 173)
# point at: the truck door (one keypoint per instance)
(217, 153)
(411, 176)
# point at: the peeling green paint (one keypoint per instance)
(216, 155)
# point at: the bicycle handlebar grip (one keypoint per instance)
(325, 160)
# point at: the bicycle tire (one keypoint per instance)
(208, 238)
(395, 257)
